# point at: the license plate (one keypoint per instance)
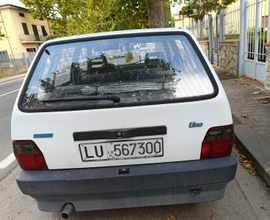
(120, 150)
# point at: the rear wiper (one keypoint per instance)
(114, 98)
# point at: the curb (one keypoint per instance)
(255, 148)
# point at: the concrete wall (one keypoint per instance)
(6, 72)
(205, 47)
(178, 23)
(229, 56)
(267, 69)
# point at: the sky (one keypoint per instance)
(176, 8)
(18, 3)
(13, 2)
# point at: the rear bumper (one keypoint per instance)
(144, 185)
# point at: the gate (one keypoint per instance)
(254, 26)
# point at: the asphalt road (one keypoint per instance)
(8, 94)
(246, 197)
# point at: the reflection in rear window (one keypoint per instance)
(137, 69)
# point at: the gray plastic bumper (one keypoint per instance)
(129, 186)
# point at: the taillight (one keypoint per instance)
(29, 156)
(218, 142)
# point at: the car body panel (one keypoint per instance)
(181, 142)
(144, 185)
(177, 176)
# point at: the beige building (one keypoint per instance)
(25, 34)
(182, 21)
(177, 19)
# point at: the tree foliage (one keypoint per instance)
(196, 9)
(72, 17)
(111, 15)
(169, 13)
(56, 10)
(172, 22)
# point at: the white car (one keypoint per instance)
(99, 131)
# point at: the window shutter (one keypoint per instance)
(25, 29)
(44, 31)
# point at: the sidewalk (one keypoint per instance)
(250, 105)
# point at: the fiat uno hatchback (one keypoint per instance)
(122, 119)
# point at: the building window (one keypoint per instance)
(4, 56)
(31, 50)
(25, 29)
(44, 31)
(21, 14)
(41, 19)
(264, 21)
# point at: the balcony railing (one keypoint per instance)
(33, 38)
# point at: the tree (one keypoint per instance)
(172, 22)
(56, 10)
(130, 14)
(169, 13)
(196, 9)
(157, 15)
(2, 35)
(109, 15)
(71, 17)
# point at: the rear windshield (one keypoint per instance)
(138, 70)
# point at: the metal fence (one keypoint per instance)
(217, 27)
(14, 60)
(216, 37)
(232, 22)
(262, 16)
(232, 25)
(254, 28)
(200, 29)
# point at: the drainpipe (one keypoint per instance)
(49, 27)
(243, 37)
(256, 39)
(7, 38)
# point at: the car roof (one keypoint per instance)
(115, 33)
